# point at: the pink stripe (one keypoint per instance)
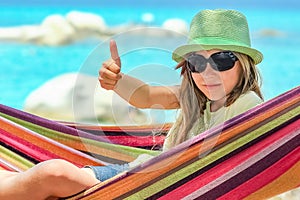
(26, 147)
(136, 140)
(226, 166)
(267, 176)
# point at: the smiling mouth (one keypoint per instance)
(212, 85)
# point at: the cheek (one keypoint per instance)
(230, 79)
(198, 80)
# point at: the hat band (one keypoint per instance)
(215, 41)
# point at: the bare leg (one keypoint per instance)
(53, 178)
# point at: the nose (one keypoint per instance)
(209, 71)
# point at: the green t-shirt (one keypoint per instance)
(211, 119)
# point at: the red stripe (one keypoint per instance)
(136, 141)
(267, 176)
(219, 170)
(26, 147)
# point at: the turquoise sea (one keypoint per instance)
(275, 31)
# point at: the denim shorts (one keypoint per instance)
(103, 173)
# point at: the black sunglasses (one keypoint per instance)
(220, 61)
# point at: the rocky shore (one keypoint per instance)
(57, 29)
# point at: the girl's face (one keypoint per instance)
(214, 84)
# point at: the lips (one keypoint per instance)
(212, 86)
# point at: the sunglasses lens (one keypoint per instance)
(223, 61)
(196, 63)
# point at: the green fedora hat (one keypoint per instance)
(218, 29)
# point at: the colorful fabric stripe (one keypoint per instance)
(228, 162)
(204, 178)
(100, 147)
(155, 133)
(12, 161)
(237, 182)
(145, 136)
(38, 147)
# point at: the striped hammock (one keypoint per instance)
(255, 155)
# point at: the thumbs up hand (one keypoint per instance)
(110, 71)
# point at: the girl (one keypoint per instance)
(219, 81)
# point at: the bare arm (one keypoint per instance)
(134, 91)
(142, 95)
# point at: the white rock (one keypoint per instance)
(177, 25)
(79, 98)
(86, 21)
(23, 33)
(10, 33)
(54, 30)
(57, 30)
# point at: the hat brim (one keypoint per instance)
(180, 52)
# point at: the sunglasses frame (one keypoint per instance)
(212, 60)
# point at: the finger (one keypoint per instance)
(106, 86)
(107, 81)
(111, 66)
(114, 52)
(109, 85)
(106, 74)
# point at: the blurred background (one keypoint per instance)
(45, 40)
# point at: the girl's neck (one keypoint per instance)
(216, 105)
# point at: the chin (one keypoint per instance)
(214, 97)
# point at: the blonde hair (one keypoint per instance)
(193, 101)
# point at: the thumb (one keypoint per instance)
(114, 52)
